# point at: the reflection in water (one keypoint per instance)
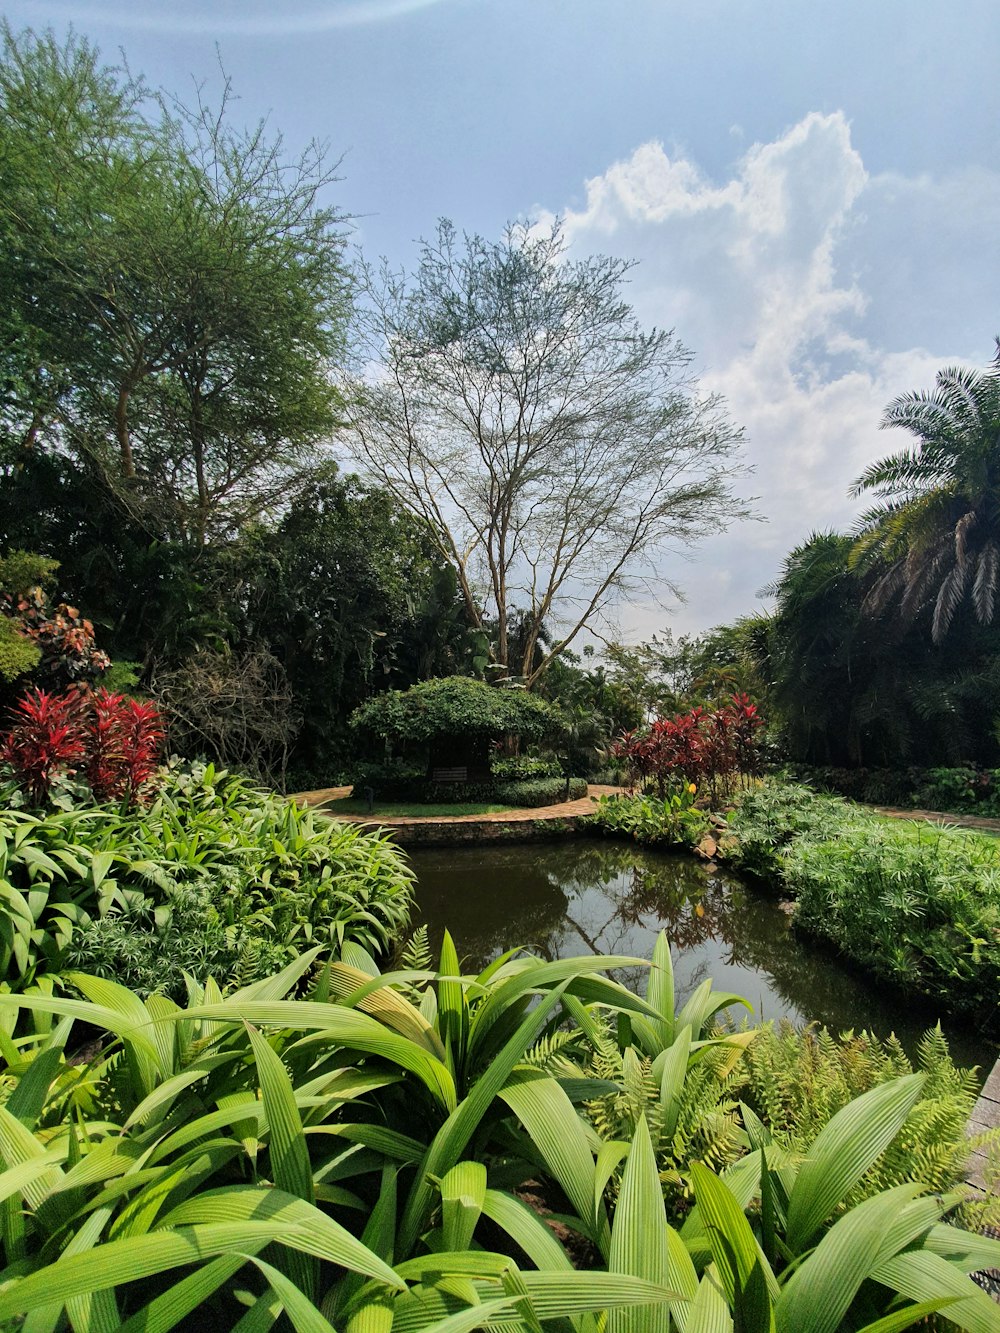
(559, 899)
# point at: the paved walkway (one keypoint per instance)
(940, 817)
(327, 798)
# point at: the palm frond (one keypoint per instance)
(948, 599)
(985, 586)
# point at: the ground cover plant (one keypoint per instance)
(673, 821)
(210, 877)
(914, 903)
(352, 1159)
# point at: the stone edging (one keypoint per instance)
(985, 1115)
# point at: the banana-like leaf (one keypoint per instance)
(453, 1008)
(287, 1150)
(345, 1027)
(463, 1192)
(359, 990)
(557, 1132)
(922, 1276)
(166, 1311)
(526, 1229)
(639, 1236)
(451, 1139)
(660, 989)
(304, 1316)
(843, 1151)
(290, 1219)
(737, 1255)
(820, 1292)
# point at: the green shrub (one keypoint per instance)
(352, 1160)
(912, 902)
(212, 877)
(524, 768)
(652, 821)
(768, 819)
(534, 792)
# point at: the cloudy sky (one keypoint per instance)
(812, 193)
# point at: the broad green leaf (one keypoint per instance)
(922, 1276)
(526, 1229)
(733, 1244)
(304, 1316)
(453, 1011)
(556, 1130)
(819, 1293)
(463, 1191)
(843, 1151)
(346, 1027)
(660, 988)
(451, 1139)
(639, 1236)
(166, 1312)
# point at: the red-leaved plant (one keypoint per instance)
(112, 741)
(697, 746)
(46, 740)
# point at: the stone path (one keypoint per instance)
(327, 797)
(939, 817)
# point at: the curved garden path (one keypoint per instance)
(326, 799)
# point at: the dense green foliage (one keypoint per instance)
(456, 706)
(211, 878)
(352, 1159)
(916, 904)
(672, 821)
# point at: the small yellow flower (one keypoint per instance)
(692, 788)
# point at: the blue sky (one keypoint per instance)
(812, 192)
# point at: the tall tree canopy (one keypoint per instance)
(172, 294)
(553, 446)
(935, 532)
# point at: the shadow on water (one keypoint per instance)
(579, 897)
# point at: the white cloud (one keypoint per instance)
(787, 280)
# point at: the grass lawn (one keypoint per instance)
(354, 806)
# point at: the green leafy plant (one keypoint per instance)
(352, 1159)
(670, 821)
(211, 877)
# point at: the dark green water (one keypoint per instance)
(579, 897)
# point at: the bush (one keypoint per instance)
(524, 768)
(541, 791)
(672, 821)
(398, 1115)
(912, 902)
(213, 877)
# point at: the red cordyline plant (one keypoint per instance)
(46, 740)
(110, 740)
(696, 746)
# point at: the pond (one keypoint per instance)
(588, 896)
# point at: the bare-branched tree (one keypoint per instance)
(556, 449)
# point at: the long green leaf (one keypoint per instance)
(843, 1151)
(287, 1151)
(463, 1191)
(819, 1293)
(639, 1236)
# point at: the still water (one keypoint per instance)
(583, 896)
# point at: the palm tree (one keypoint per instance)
(935, 533)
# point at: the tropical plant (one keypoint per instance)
(916, 904)
(670, 821)
(112, 741)
(212, 877)
(351, 1161)
(715, 747)
(934, 536)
